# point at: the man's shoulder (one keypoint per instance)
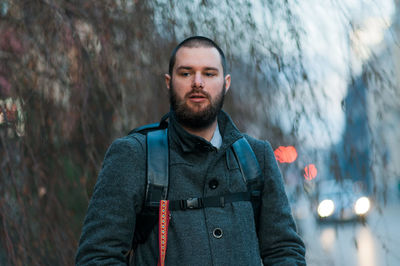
(133, 141)
(135, 136)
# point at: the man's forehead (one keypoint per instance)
(198, 56)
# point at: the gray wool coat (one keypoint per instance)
(197, 169)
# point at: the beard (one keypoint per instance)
(188, 116)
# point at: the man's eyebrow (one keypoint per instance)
(190, 68)
(212, 68)
(184, 67)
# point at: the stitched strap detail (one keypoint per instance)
(163, 223)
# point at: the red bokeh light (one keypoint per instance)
(310, 172)
(286, 154)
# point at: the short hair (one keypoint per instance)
(196, 41)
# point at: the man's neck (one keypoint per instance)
(205, 133)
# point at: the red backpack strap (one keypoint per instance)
(163, 222)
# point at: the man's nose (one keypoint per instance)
(198, 81)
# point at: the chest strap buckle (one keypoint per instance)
(191, 203)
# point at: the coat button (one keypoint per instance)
(217, 233)
(213, 184)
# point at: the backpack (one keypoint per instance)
(157, 160)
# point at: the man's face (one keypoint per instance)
(197, 86)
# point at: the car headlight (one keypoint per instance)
(362, 206)
(326, 208)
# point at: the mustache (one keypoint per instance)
(197, 92)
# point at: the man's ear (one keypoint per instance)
(167, 80)
(227, 82)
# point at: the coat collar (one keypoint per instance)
(192, 143)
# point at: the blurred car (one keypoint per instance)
(344, 201)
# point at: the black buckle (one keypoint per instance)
(191, 203)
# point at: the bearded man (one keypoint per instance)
(201, 166)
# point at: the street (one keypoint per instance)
(376, 243)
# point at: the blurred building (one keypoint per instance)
(382, 73)
(370, 148)
(354, 150)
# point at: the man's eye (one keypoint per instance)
(208, 74)
(185, 74)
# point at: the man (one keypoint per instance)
(200, 135)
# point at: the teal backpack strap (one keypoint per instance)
(157, 167)
(156, 185)
(251, 173)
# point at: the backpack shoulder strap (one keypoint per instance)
(157, 167)
(251, 173)
(157, 173)
(247, 160)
